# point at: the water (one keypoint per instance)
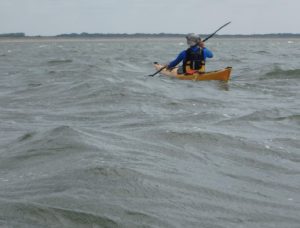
(87, 140)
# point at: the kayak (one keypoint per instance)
(221, 75)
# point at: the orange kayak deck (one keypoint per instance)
(221, 75)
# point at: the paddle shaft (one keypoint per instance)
(210, 36)
(157, 71)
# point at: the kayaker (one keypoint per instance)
(193, 58)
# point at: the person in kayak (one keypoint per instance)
(193, 58)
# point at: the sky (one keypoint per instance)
(53, 17)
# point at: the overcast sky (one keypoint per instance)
(52, 17)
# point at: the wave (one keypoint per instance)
(202, 141)
(58, 142)
(110, 171)
(59, 61)
(292, 118)
(278, 73)
(56, 214)
(40, 215)
(34, 84)
(261, 52)
(291, 142)
(270, 115)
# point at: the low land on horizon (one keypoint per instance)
(148, 35)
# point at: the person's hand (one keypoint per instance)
(201, 44)
(166, 66)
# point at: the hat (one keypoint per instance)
(192, 39)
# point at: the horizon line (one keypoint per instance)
(85, 34)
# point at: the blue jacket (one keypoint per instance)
(182, 55)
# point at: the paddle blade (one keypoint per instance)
(151, 75)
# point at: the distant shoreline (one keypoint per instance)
(139, 35)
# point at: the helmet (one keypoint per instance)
(192, 39)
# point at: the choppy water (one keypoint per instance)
(87, 140)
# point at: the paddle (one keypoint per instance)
(157, 71)
(210, 36)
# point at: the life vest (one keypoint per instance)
(194, 61)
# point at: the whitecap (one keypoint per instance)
(267, 147)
